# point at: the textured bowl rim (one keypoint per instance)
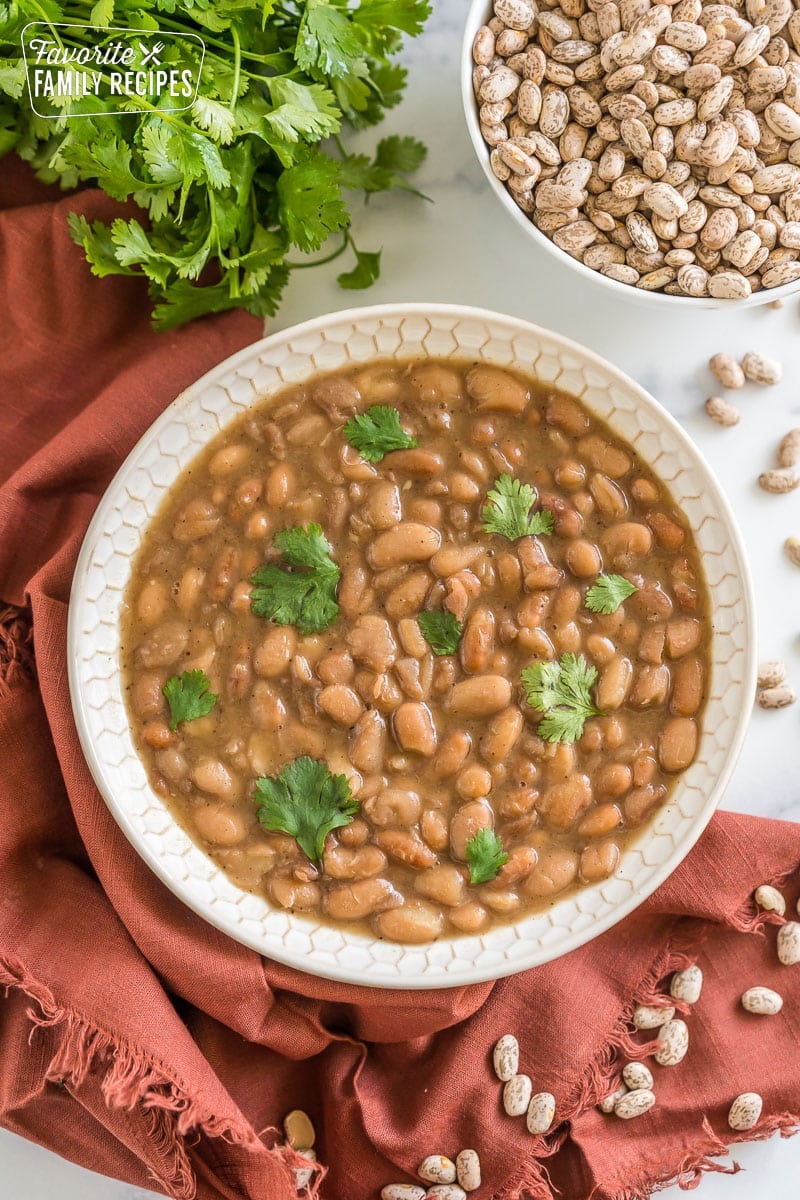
(477, 974)
(476, 16)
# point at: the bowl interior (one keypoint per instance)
(479, 13)
(112, 541)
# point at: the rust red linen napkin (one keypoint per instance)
(139, 1041)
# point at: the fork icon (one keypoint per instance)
(151, 55)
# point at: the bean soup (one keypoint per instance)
(416, 647)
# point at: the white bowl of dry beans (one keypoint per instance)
(412, 646)
(654, 147)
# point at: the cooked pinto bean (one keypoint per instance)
(342, 862)
(407, 542)
(496, 390)
(562, 804)
(452, 754)
(677, 745)
(368, 695)
(468, 819)
(354, 901)
(650, 686)
(688, 681)
(164, 645)
(371, 642)
(556, 869)
(598, 862)
(614, 683)
(501, 735)
(414, 728)
(583, 559)
(368, 742)
(626, 543)
(414, 922)
(477, 641)
(393, 806)
(684, 635)
(381, 508)
(480, 696)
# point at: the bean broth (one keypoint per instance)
(435, 748)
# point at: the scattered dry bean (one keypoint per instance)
(673, 1042)
(762, 1000)
(651, 1016)
(636, 1075)
(687, 984)
(792, 548)
(789, 943)
(437, 1169)
(517, 1095)
(722, 411)
(505, 1057)
(634, 1104)
(770, 899)
(745, 1111)
(468, 1167)
(770, 674)
(777, 697)
(541, 1112)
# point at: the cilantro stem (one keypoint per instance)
(318, 262)
(237, 68)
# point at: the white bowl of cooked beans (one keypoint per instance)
(651, 148)
(413, 646)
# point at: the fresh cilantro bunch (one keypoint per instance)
(508, 512)
(189, 697)
(302, 593)
(307, 802)
(250, 177)
(562, 691)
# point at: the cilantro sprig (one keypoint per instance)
(485, 856)
(562, 691)
(376, 432)
(306, 801)
(608, 592)
(508, 512)
(441, 630)
(302, 593)
(235, 191)
(189, 697)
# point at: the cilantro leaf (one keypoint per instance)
(408, 15)
(397, 153)
(608, 592)
(376, 432)
(562, 691)
(364, 273)
(485, 855)
(509, 512)
(327, 40)
(310, 201)
(307, 597)
(307, 802)
(188, 697)
(441, 630)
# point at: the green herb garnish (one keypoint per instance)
(485, 855)
(608, 592)
(509, 512)
(561, 690)
(441, 630)
(376, 432)
(188, 697)
(306, 597)
(306, 801)
(249, 179)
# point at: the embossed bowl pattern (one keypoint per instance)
(401, 331)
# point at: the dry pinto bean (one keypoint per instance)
(541, 1112)
(762, 1001)
(769, 899)
(687, 984)
(652, 1016)
(505, 1057)
(789, 943)
(402, 1191)
(634, 1104)
(745, 1111)
(673, 1042)
(517, 1094)
(437, 1169)
(468, 1170)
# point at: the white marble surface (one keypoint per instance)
(465, 248)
